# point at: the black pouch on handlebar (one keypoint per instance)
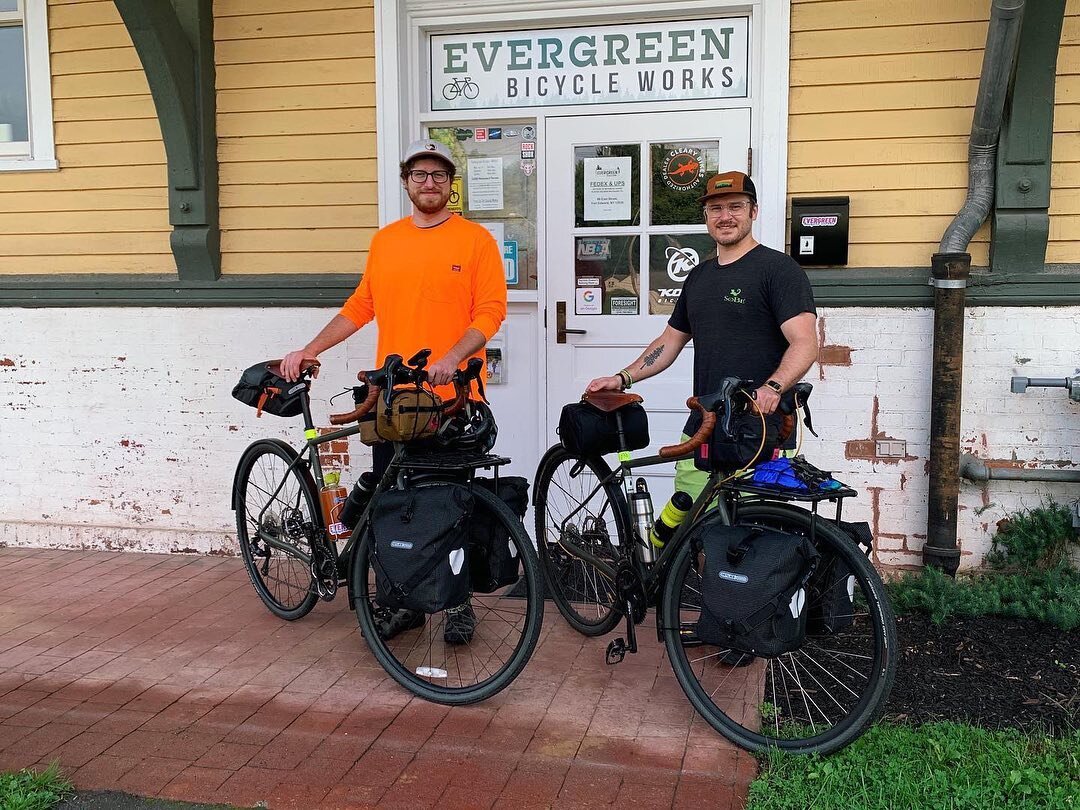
(493, 558)
(753, 588)
(744, 447)
(420, 553)
(585, 430)
(268, 392)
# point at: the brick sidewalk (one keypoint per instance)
(164, 676)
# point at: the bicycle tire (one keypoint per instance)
(439, 672)
(584, 597)
(283, 582)
(470, 85)
(450, 91)
(817, 699)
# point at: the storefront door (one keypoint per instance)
(624, 227)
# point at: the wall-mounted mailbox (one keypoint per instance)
(819, 230)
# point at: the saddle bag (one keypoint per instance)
(493, 558)
(753, 590)
(263, 388)
(420, 553)
(585, 430)
(413, 413)
(832, 588)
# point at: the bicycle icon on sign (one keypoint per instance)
(460, 87)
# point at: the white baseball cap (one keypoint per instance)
(428, 148)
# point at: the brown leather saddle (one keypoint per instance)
(608, 401)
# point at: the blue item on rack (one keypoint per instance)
(796, 474)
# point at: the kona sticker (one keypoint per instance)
(680, 261)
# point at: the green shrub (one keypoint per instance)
(938, 765)
(1037, 538)
(1029, 576)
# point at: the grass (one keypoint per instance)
(944, 766)
(27, 790)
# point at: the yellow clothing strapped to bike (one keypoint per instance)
(425, 286)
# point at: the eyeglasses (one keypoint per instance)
(440, 176)
(736, 209)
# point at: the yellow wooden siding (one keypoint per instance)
(1065, 178)
(296, 134)
(106, 209)
(880, 110)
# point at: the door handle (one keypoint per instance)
(560, 324)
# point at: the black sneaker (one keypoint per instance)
(390, 622)
(460, 624)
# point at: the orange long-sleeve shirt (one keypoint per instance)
(425, 286)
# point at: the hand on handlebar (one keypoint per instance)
(442, 371)
(766, 400)
(604, 384)
(294, 361)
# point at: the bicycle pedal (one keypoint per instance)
(616, 651)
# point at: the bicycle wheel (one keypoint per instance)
(507, 625)
(277, 512)
(816, 699)
(576, 510)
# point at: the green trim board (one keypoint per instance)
(175, 43)
(1055, 285)
(1020, 222)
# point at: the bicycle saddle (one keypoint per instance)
(610, 400)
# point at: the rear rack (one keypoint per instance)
(784, 494)
(448, 460)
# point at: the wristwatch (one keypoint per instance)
(775, 386)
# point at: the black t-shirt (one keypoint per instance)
(734, 313)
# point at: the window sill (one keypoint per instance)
(12, 165)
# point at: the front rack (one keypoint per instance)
(448, 460)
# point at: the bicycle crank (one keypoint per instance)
(324, 574)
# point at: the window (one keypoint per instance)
(26, 125)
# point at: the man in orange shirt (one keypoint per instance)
(433, 281)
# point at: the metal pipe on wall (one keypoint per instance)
(974, 469)
(950, 267)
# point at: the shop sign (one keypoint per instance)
(643, 61)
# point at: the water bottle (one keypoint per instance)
(671, 517)
(333, 497)
(358, 499)
(642, 511)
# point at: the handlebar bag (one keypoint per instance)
(493, 557)
(420, 550)
(585, 430)
(753, 588)
(832, 588)
(413, 413)
(269, 392)
(741, 449)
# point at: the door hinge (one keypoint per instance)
(750, 160)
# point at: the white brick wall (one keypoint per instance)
(118, 431)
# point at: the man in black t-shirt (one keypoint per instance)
(750, 312)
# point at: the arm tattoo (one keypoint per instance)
(652, 356)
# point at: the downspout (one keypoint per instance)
(950, 268)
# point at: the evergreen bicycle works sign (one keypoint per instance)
(619, 63)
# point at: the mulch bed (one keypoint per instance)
(987, 671)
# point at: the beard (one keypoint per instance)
(732, 236)
(430, 203)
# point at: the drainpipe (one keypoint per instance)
(950, 268)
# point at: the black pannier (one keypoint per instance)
(585, 430)
(420, 554)
(262, 387)
(753, 589)
(493, 558)
(832, 588)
